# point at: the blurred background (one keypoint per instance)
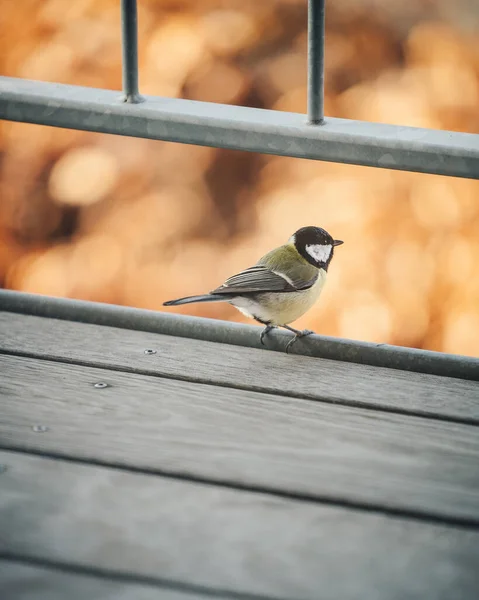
(137, 222)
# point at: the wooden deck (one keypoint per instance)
(137, 465)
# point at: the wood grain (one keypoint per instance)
(26, 582)
(243, 368)
(226, 540)
(337, 453)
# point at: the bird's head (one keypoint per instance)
(315, 245)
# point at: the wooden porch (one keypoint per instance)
(138, 464)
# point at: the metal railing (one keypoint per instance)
(240, 128)
(239, 334)
(316, 10)
(129, 46)
(265, 131)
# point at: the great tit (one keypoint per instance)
(282, 285)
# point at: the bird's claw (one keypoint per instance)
(299, 334)
(265, 331)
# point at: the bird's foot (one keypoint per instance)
(297, 336)
(265, 331)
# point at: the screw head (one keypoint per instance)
(40, 428)
(150, 351)
(3, 468)
(100, 385)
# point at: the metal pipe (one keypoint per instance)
(380, 355)
(129, 46)
(242, 128)
(316, 19)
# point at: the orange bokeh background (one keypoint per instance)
(137, 222)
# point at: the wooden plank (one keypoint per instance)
(292, 446)
(26, 582)
(226, 540)
(243, 368)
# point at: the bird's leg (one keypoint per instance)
(297, 334)
(265, 331)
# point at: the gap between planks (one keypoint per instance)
(208, 538)
(251, 387)
(263, 442)
(312, 499)
(235, 367)
(80, 582)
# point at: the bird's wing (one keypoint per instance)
(261, 279)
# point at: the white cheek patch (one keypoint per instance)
(319, 252)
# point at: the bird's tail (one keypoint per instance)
(191, 299)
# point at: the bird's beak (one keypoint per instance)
(337, 242)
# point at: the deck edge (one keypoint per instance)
(225, 332)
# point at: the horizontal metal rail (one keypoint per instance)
(380, 355)
(241, 128)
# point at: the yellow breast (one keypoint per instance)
(281, 308)
(289, 307)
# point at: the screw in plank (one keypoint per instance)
(40, 428)
(150, 351)
(100, 385)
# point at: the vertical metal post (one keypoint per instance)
(129, 46)
(316, 61)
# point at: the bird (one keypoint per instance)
(281, 286)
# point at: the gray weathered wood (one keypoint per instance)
(295, 446)
(202, 535)
(26, 582)
(244, 368)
